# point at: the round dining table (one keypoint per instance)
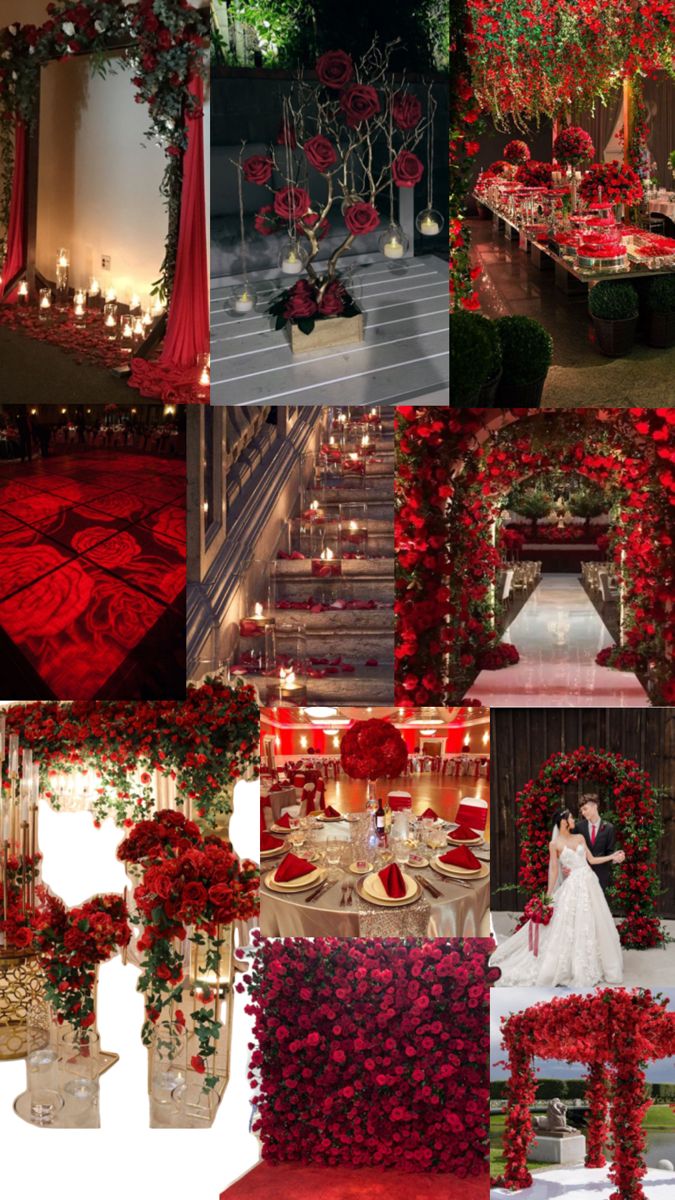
(461, 909)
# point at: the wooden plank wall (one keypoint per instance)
(521, 741)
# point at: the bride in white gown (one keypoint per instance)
(580, 946)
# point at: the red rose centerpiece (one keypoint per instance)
(373, 750)
(573, 147)
(534, 174)
(516, 152)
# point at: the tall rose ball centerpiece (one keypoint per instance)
(373, 750)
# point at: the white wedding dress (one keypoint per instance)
(580, 946)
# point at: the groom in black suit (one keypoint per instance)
(599, 835)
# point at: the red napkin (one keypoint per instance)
(429, 814)
(284, 822)
(292, 867)
(267, 842)
(330, 812)
(393, 881)
(461, 856)
(463, 834)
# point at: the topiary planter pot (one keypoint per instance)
(660, 329)
(614, 339)
(522, 395)
(488, 392)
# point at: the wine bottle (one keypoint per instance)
(380, 820)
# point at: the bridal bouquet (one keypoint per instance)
(538, 910)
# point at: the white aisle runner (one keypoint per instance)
(581, 1183)
(558, 634)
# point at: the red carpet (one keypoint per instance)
(290, 1181)
(92, 577)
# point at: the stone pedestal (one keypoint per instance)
(568, 1150)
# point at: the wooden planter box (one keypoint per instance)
(336, 331)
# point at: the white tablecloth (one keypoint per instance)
(662, 204)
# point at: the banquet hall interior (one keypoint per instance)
(565, 580)
(92, 552)
(567, 196)
(291, 560)
(375, 821)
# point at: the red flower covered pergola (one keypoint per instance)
(454, 473)
(616, 1033)
(626, 792)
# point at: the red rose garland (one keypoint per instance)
(628, 796)
(206, 742)
(373, 750)
(596, 1099)
(372, 1052)
(465, 111)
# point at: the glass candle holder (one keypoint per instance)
(62, 272)
(110, 320)
(80, 1098)
(22, 292)
(79, 313)
(94, 298)
(168, 1061)
(45, 304)
(126, 331)
(138, 330)
(429, 222)
(42, 1075)
(81, 1054)
(242, 300)
(292, 257)
(194, 1106)
(110, 296)
(393, 242)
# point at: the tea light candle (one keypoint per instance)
(78, 298)
(111, 326)
(147, 318)
(205, 377)
(138, 329)
(23, 292)
(110, 296)
(79, 314)
(291, 264)
(393, 248)
(45, 304)
(127, 330)
(135, 303)
(429, 227)
(243, 303)
(94, 288)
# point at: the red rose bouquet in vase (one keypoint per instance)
(574, 148)
(191, 891)
(373, 750)
(611, 183)
(356, 130)
(516, 152)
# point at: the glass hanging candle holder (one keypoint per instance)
(393, 243)
(429, 222)
(242, 300)
(62, 270)
(292, 257)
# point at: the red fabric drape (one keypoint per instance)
(15, 260)
(188, 329)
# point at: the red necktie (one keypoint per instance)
(592, 835)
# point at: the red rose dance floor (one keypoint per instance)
(92, 578)
(336, 1183)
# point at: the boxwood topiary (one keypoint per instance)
(527, 350)
(661, 294)
(471, 356)
(613, 301)
(495, 363)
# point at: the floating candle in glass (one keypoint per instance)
(110, 296)
(147, 318)
(79, 313)
(138, 329)
(126, 331)
(23, 292)
(62, 265)
(110, 319)
(45, 304)
(79, 297)
(135, 303)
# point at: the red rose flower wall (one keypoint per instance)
(372, 1053)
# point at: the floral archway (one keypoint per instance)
(616, 1032)
(626, 794)
(454, 471)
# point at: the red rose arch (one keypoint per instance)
(626, 792)
(616, 1033)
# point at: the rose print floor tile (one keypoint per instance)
(80, 528)
(26, 556)
(139, 559)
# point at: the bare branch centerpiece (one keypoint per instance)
(357, 127)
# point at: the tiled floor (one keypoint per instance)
(558, 634)
(512, 285)
(92, 577)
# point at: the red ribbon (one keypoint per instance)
(533, 937)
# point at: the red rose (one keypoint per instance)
(361, 218)
(406, 110)
(359, 102)
(265, 220)
(301, 302)
(332, 302)
(286, 136)
(335, 68)
(197, 1064)
(320, 152)
(407, 169)
(257, 169)
(291, 202)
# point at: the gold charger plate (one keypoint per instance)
(327, 820)
(477, 841)
(280, 829)
(272, 853)
(482, 873)
(303, 884)
(388, 903)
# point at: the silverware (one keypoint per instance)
(343, 897)
(318, 891)
(428, 887)
(350, 894)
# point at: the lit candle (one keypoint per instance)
(63, 259)
(135, 303)
(428, 227)
(327, 554)
(157, 308)
(110, 296)
(94, 288)
(79, 314)
(243, 303)
(78, 298)
(45, 304)
(393, 248)
(139, 329)
(111, 326)
(23, 292)
(147, 318)
(291, 264)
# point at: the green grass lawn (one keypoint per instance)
(659, 1116)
